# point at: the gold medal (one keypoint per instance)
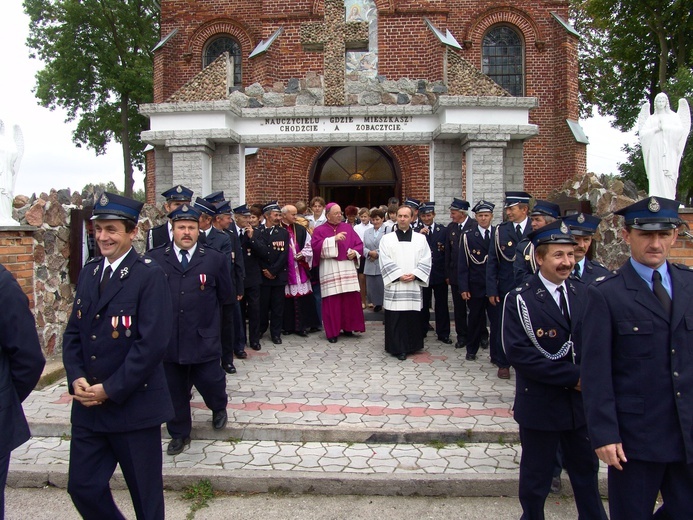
(510, 243)
(115, 334)
(202, 287)
(540, 333)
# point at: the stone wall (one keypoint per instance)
(606, 195)
(42, 265)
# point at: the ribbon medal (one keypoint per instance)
(203, 280)
(127, 323)
(114, 324)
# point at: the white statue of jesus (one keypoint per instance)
(11, 152)
(663, 137)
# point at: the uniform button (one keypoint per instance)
(93, 358)
(181, 311)
(526, 389)
(678, 394)
(676, 374)
(635, 329)
(93, 337)
(97, 316)
(673, 351)
(146, 385)
(182, 292)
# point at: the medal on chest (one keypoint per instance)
(127, 323)
(203, 281)
(114, 324)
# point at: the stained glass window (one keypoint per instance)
(502, 58)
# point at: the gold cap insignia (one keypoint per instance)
(653, 206)
(564, 228)
(103, 201)
(581, 218)
(179, 189)
(185, 209)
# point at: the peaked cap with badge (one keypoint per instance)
(652, 214)
(178, 193)
(582, 224)
(116, 207)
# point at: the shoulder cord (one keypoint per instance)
(469, 255)
(498, 248)
(532, 261)
(527, 324)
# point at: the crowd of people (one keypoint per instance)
(601, 359)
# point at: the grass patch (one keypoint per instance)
(461, 443)
(437, 445)
(233, 440)
(199, 494)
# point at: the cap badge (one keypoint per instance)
(185, 209)
(581, 218)
(653, 206)
(103, 201)
(179, 189)
(564, 228)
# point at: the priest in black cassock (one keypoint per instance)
(405, 263)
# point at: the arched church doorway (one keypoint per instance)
(363, 176)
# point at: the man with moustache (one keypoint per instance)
(542, 321)
(113, 348)
(200, 281)
(636, 372)
(337, 249)
(500, 277)
(274, 267)
(543, 213)
(461, 223)
(175, 198)
(435, 237)
(583, 227)
(472, 277)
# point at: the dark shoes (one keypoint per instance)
(459, 345)
(302, 333)
(471, 357)
(503, 373)
(348, 333)
(484, 343)
(276, 340)
(401, 357)
(332, 340)
(228, 368)
(377, 308)
(447, 341)
(556, 485)
(219, 419)
(177, 446)
(255, 346)
(241, 355)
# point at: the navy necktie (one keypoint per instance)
(660, 292)
(518, 230)
(104, 280)
(184, 258)
(487, 236)
(576, 270)
(564, 303)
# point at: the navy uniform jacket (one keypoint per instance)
(637, 372)
(436, 241)
(545, 398)
(21, 361)
(471, 269)
(217, 240)
(158, 236)
(129, 366)
(453, 241)
(253, 250)
(276, 256)
(500, 276)
(237, 264)
(197, 294)
(524, 265)
(593, 270)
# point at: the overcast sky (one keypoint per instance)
(51, 159)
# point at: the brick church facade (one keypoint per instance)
(358, 100)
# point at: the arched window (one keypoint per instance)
(220, 45)
(502, 58)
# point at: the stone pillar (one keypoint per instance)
(446, 175)
(485, 167)
(192, 164)
(228, 172)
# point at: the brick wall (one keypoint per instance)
(17, 255)
(682, 251)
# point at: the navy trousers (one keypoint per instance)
(210, 381)
(93, 458)
(442, 312)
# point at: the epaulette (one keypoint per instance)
(145, 259)
(609, 276)
(95, 259)
(683, 267)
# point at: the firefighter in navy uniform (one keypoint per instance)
(437, 287)
(500, 278)
(200, 281)
(414, 204)
(275, 276)
(542, 323)
(543, 213)
(113, 348)
(471, 279)
(583, 227)
(637, 370)
(175, 197)
(461, 223)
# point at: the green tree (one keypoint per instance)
(630, 51)
(98, 66)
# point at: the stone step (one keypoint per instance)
(461, 469)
